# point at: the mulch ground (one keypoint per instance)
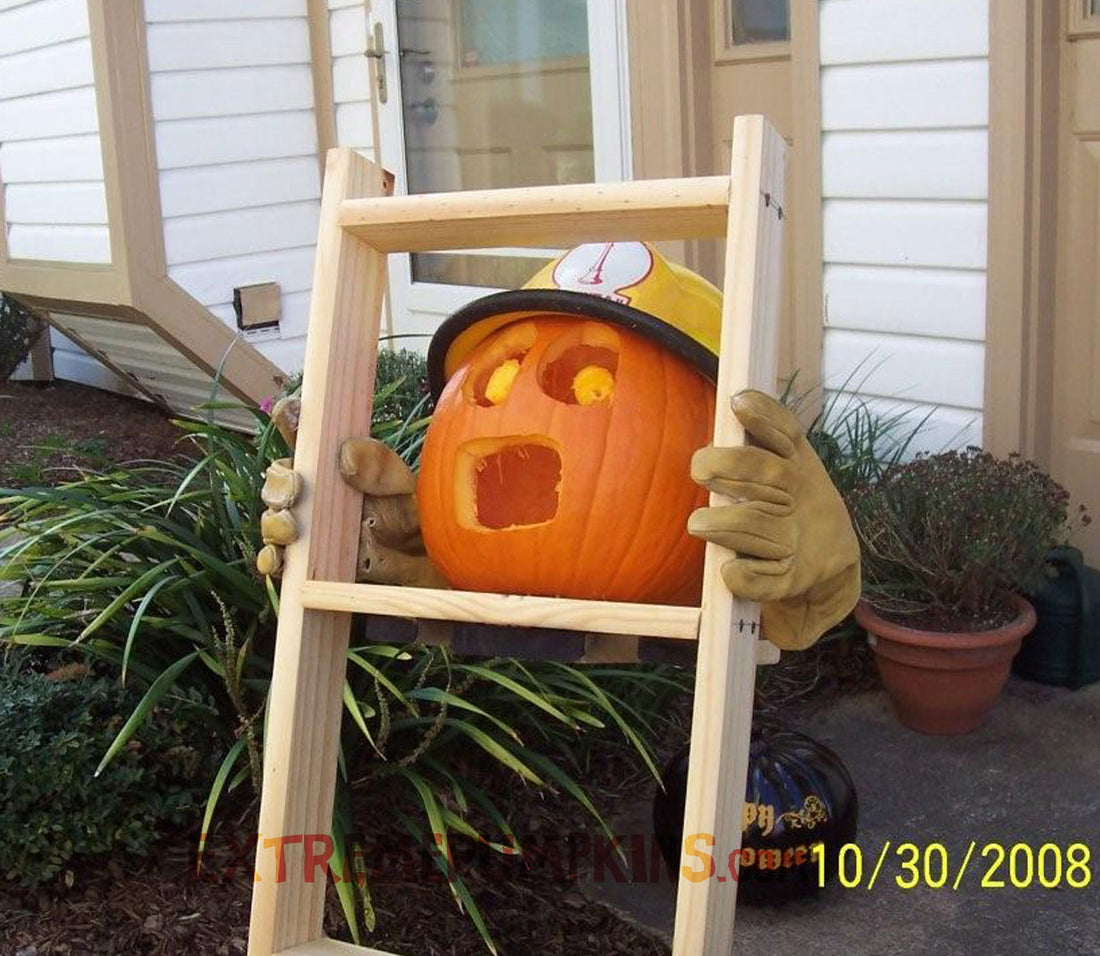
(159, 906)
(47, 432)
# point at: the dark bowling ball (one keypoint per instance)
(798, 794)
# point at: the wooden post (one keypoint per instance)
(41, 356)
(725, 670)
(305, 703)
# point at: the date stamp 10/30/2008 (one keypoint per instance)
(996, 866)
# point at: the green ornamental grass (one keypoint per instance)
(148, 571)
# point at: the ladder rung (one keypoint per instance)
(542, 216)
(330, 947)
(597, 617)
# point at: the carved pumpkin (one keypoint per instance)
(799, 793)
(558, 463)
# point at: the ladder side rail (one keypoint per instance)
(725, 678)
(305, 702)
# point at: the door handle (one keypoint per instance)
(376, 50)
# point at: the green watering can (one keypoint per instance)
(1064, 648)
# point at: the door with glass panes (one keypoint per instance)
(752, 72)
(1075, 412)
(486, 94)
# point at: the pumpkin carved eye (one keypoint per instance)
(490, 378)
(579, 367)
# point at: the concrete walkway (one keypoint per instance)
(1031, 775)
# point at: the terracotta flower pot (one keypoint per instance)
(944, 683)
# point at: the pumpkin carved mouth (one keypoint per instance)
(503, 483)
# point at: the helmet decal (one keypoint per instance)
(604, 269)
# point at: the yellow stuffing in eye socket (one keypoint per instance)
(500, 382)
(593, 384)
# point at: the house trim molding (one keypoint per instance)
(804, 192)
(1023, 124)
(135, 286)
(672, 48)
(324, 94)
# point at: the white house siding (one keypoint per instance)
(142, 354)
(73, 364)
(236, 141)
(904, 103)
(351, 74)
(50, 162)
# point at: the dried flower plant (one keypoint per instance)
(947, 538)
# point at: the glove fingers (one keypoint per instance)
(381, 565)
(285, 415)
(772, 500)
(375, 469)
(753, 579)
(269, 561)
(278, 527)
(394, 522)
(713, 466)
(282, 485)
(770, 424)
(745, 528)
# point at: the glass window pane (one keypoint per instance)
(506, 31)
(1094, 8)
(495, 93)
(760, 21)
(476, 268)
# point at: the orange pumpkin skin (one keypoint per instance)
(624, 492)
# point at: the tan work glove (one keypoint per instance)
(796, 552)
(391, 550)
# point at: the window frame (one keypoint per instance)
(1080, 23)
(426, 301)
(727, 51)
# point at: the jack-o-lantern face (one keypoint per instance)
(558, 463)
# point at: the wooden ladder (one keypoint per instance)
(359, 226)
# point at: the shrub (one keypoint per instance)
(18, 332)
(52, 809)
(402, 386)
(947, 538)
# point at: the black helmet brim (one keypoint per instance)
(523, 302)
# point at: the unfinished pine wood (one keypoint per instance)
(601, 617)
(725, 666)
(331, 947)
(304, 707)
(623, 623)
(543, 216)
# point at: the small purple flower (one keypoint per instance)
(267, 404)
